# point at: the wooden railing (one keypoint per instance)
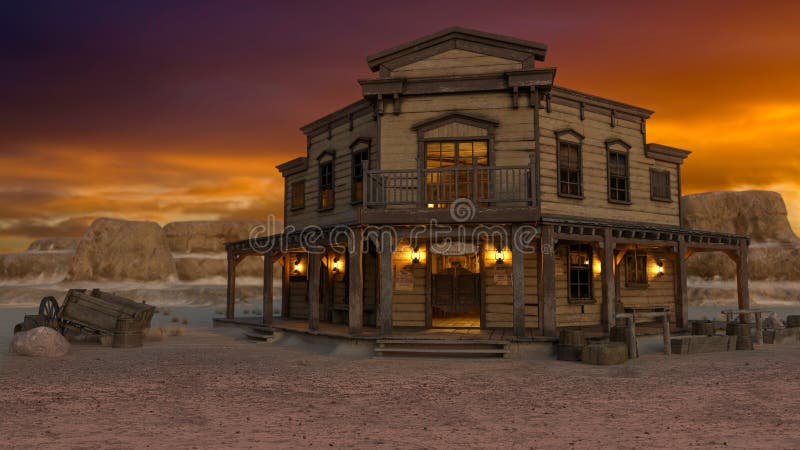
(436, 188)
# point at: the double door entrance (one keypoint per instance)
(455, 290)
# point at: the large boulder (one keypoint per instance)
(208, 236)
(40, 341)
(773, 262)
(193, 267)
(54, 244)
(759, 214)
(115, 250)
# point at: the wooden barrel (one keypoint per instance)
(124, 337)
(702, 328)
(569, 352)
(575, 338)
(744, 340)
(792, 321)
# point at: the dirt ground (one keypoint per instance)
(213, 389)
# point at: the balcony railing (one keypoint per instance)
(485, 186)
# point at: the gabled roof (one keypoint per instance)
(460, 38)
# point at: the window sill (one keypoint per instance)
(640, 286)
(297, 208)
(330, 208)
(581, 301)
(619, 202)
(657, 199)
(356, 202)
(576, 197)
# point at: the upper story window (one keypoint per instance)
(636, 269)
(360, 163)
(326, 193)
(619, 190)
(659, 185)
(456, 154)
(580, 273)
(452, 171)
(298, 192)
(570, 164)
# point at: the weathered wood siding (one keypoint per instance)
(343, 211)
(408, 307)
(513, 140)
(456, 62)
(298, 298)
(499, 300)
(660, 290)
(567, 314)
(596, 129)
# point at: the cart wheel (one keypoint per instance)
(48, 311)
(19, 328)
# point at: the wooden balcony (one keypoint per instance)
(495, 194)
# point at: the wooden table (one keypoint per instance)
(729, 313)
(632, 313)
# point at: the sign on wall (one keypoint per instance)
(404, 280)
(501, 275)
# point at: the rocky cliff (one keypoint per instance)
(774, 249)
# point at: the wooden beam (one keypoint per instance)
(547, 282)
(386, 283)
(518, 283)
(285, 288)
(313, 290)
(607, 266)
(743, 278)
(267, 296)
(231, 298)
(355, 320)
(681, 293)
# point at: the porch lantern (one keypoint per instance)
(298, 268)
(337, 265)
(499, 255)
(416, 255)
(659, 267)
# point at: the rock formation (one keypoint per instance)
(35, 267)
(208, 236)
(115, 249)
(40, 341)
(774, 249)
(54, 244)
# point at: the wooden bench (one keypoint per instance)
(729, 313)
(632, 313)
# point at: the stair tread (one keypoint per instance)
(442, 341)
(258, 336)
(441, 350)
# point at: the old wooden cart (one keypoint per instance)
(94, 312)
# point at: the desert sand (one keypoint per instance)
(211, 388)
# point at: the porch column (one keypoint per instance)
(743, 277)
(285, 285)
(386, 283)
(681, 294)
(231, 298)
(356, 283)
(518, 282)
(608, 281)
(547, 282)
(313, 290)
(267, 296)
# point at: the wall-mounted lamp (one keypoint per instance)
(499, 255)
(336, 266)
(416, 256)
(659, 267)
(297, 265)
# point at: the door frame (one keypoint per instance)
(429, 285)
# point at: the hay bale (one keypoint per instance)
(605, 353)
(793, 321)
(702, 328)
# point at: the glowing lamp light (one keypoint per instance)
(416, 256)
(659, 267)
(336, 266)
(597, 266)
(297, 266)
(499, 255)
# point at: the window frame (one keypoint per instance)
(636, 283)
(321, 185)
(578, 143)
(292, 189)
(359, 149)
(613, 147)
(589, 251)
(668, 178)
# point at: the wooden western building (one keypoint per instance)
(467, 131)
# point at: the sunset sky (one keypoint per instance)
(181, 110)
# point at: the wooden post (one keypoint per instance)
(681, 293)
(608, 281)
(356, 283)
(667, 337)
(386, 283)
(287, 261)
(231, 299)
(633, 350)
(266, 307)
(743, 278)
(313, 290)
(547, 282)
(759, 329)
(518, 282)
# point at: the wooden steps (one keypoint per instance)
(262, 334)
(442, 348)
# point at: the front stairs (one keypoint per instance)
(441, 348)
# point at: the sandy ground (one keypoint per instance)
(213, 389)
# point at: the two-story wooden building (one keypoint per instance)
(511, 202)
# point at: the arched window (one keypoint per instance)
(570, 163)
